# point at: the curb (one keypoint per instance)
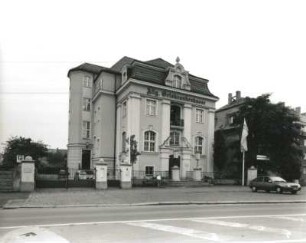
(7, 206)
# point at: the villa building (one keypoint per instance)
(170, 112)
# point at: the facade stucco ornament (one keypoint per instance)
(177, 76)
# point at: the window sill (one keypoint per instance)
(149, 153)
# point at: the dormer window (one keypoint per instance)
(177, 81)
(178, 77)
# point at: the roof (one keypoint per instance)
(152, 71)
(121, 63)
(157, 72)
(159, 62)
(232, 104)
(91, 68)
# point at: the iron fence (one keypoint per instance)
(157, 178)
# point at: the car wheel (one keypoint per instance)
(267, 190)
(279, 190)
(254, 189)
(293, 192)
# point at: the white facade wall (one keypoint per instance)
(108, 123)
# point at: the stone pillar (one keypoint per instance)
(210, 140)
(252, 174)
(197, 174)
(165, 126)
(185, 163)
(27, 175)
(126, 176)
(101, 175)
(175, 173)
(187, 121)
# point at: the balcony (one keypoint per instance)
(177, 123)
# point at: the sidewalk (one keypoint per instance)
(89, 197)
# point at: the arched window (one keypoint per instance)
(177, 81)
(198, 146)
(149, 141)
(123, 141)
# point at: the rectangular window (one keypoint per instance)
(198, 148)
(149, 170)
(149, 141)
(151, 108)
(199, 116)
(124, 111)
(231, 120)
(87, 82)
(175, 138)
(86, 104)
(86, 129)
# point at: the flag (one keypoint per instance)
(245, 133)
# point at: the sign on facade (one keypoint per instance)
(20, 158)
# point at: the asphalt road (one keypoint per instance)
(188, 223)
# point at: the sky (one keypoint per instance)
(256, 47)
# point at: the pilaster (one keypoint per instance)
(133, 121)
(118, 135)
(187, 121)
(165, 126)
(210, 139)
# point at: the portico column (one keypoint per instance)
(210, 139)
(164, 159)
(187, 121)
(185, 165)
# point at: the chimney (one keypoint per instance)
(298, 110)
(230, 98)
(238, 95)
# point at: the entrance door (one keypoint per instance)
(173, 162)
(86, 159)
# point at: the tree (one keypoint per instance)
(273, 131)
(22, 146)
(57, 158)
(219, 150)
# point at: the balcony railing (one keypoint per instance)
(177, 123)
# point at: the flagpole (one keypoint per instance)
(244, 146)
(243, 167)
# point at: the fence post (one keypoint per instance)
(27, 175)
(252, 174)
(125, 176)
(197, 172)
(101, 175)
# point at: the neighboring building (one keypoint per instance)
(1, 159)
(303, 144)
(170, 112)
(231, 130)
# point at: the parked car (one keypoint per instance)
(84, 175)
(274, 183)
